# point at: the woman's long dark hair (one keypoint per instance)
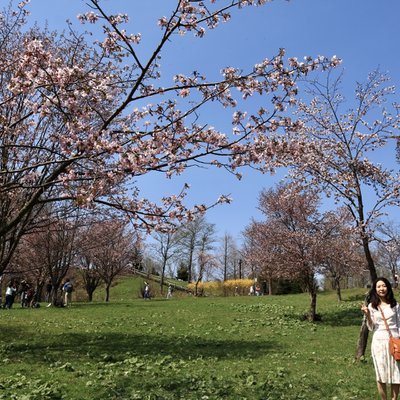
(375, 299)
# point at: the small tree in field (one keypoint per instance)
(260, 252)
(205, 259)
(165, 247)
(51, 252)
(113, 252)
(90, 276)
(343, 250)
(229, 258)
(293, 241)
(190, 240)
(87, 269)
(83, 119)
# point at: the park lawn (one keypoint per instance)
(185, 348)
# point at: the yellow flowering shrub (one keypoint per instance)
(229, 287)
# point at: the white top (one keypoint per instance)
(392, 316)
(10, 291)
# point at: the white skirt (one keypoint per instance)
(387, 369)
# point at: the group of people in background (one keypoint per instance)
(147, 293)
(24, 290)
(255, 290)
(27, 295)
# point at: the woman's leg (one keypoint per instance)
(382, 390)
(395, 391)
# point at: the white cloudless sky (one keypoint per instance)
(364, 33)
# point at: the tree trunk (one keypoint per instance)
(362, 341)
(338, 289)
(190, 266)
(108, 292)
(39, 290)
(162, 278)
(370, 260)
(225, 259)
(91, 286)
(195, 288)
(363, 335)
(56, 296)
(313, 306)
(311, 286)
(269, 286)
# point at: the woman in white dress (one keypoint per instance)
(387, 369)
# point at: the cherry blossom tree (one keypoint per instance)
(115, 250)
(26, 264)
(99, 238)
(52, 253)
(333, 149)
(90, 276)
(343, 250)
(81, 119)
(86, 266)
(293, 240)
(260, 253)
(48, 250)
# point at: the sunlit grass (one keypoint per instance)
(185, 348)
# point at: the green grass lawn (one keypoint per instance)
(185, 348)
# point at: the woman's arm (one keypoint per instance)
(368, 314)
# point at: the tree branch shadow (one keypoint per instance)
(116, 347)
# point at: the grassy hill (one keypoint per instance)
(128, 289)
(185, 348)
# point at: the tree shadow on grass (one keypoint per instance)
(100, 304)
(119, 303)
(116, 346)
(349, 317)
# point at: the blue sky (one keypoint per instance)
(364, 33)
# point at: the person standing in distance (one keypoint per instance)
(10, 294)
(169, 292)
(67, 289)
(387, 369)
(146, 293)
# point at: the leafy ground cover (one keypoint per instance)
(185, 348)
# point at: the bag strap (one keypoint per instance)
(384, 320)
